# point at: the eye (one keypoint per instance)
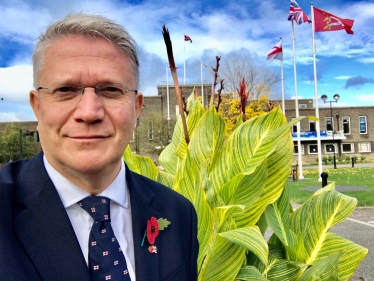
(110, 91)
(66, 89)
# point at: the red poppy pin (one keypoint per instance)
(153, 228)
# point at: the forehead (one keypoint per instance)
(74, 57)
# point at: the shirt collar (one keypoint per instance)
(71, 193)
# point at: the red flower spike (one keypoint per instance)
(152, 230)
(243, 95)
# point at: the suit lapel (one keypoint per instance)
(43, 226)
(147, 265)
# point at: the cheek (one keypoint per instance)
(51, 119)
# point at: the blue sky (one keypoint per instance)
(344, 62)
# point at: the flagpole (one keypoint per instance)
(167, 92)
(301, 176)
(184, 71)
(202, 89)
(282, 78)
(314, 50)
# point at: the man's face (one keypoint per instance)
(90, 135)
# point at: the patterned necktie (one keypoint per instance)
(105, 258)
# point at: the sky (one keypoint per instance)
(249, 28)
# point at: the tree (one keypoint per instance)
(229, 109)
(259, 78)
(10, 145)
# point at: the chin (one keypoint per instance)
(91, 162)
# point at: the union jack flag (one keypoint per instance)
(125, 272)
(96, 267)
(115, 262)
(297, 14)
(108, 277)
(105, 253)
(187, 38)
(93, 243)
(93, 210)
(113, 239)
(103, 200)
(106, 217)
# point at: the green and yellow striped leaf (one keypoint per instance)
(223, 261)
(316, 216)
(188, 182)
(352, 254)
(250, 273)
(251, 239)
(324, 270)
(146, 167)
(278, 218)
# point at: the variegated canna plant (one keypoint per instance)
(238, 187)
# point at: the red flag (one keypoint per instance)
(276, 52)
(187, 38)
(324, 21)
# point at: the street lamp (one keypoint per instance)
(27, 133)
(324, 98)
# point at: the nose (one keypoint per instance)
(89, 109)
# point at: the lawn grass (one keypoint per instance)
(342, 177)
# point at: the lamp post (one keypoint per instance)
(27, 133)
(324, 98)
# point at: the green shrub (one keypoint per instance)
(325, 160)
(330, 159)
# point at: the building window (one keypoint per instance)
(363, 125)
(348, 147)
(312, 148)
(294, 127)
(150, 130)
(312, 125)
(364, 147)
(346, 125)
(330, 147)
(296, 149)
(303, 106)
(329, 124)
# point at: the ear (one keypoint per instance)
(138, 103)
(35, 102)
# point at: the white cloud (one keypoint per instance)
(16, 117)
(342, 77)
(368, 97)
(366, 60)
(16, 83)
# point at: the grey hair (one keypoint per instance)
(90, 26)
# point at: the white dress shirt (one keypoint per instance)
(120, 212)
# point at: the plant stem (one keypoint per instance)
(215, 70)
(169, 49)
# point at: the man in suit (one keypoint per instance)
(86, 103)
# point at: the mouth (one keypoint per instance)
(91, 137)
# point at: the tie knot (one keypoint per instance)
(98, 207)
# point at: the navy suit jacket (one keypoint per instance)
(37, 240)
